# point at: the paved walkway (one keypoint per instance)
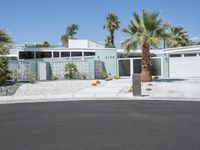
(174, 89)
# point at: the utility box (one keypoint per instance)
(136, 83)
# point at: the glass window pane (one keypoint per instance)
(175, 55)
(76, 54)
(65, 54)
(26, 55)
(43, 54)
(124, 68)
(55, 54)
(89, 53)
(155, 66)
(190, 55)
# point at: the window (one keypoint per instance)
(43, 55)
(156, 69)
(65, 54)
(76, 54)
(124, 68)
(26, 55)
(175, 55)
(89, 53)
(190, 55)
(55, 54)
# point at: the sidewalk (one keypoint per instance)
(165, 89)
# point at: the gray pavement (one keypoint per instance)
(172, 89)
(101, 125)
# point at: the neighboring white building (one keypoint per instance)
(79, 43)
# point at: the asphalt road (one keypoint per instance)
(101, 125)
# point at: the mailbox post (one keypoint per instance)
(136, 84)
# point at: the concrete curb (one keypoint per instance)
(82, 97)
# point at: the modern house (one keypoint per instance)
(94, 60)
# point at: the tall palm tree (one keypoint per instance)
(178, 37)
(69, 34)
(146, 30)
(112, 24)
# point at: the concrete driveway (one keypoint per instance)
(176, 88)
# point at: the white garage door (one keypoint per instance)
(184, 67)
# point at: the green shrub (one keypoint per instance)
(4, 71)
(32, 78)
(103, 75)
(54, 78)
(83, 76)
(70, 71)
(116, 77)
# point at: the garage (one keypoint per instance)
(184, 64)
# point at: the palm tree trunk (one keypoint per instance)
(164, 43)
(145, 64)
(112, 38)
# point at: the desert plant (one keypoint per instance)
(94, 84)
(32, 78)
(109, 79)
(54, 78)
(103, 75)
(98, 82)
(117, 77)
(14, 75)
(130, 90)
(70, 71)
(83, 76)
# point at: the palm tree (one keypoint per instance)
(146, 30)
(112, 24)
(178, 37)
(70, 33)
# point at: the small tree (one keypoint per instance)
(70, 71)
(4, 71)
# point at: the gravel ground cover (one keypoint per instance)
(9, 89)
(53, 87)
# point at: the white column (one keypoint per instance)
(131, 65)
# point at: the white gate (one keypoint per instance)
(42, 71)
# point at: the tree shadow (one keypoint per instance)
(169, 80)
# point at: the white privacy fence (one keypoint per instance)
(46, 70)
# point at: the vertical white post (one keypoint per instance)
(131, 69)
(83, 55)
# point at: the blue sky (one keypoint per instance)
(46, 20)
